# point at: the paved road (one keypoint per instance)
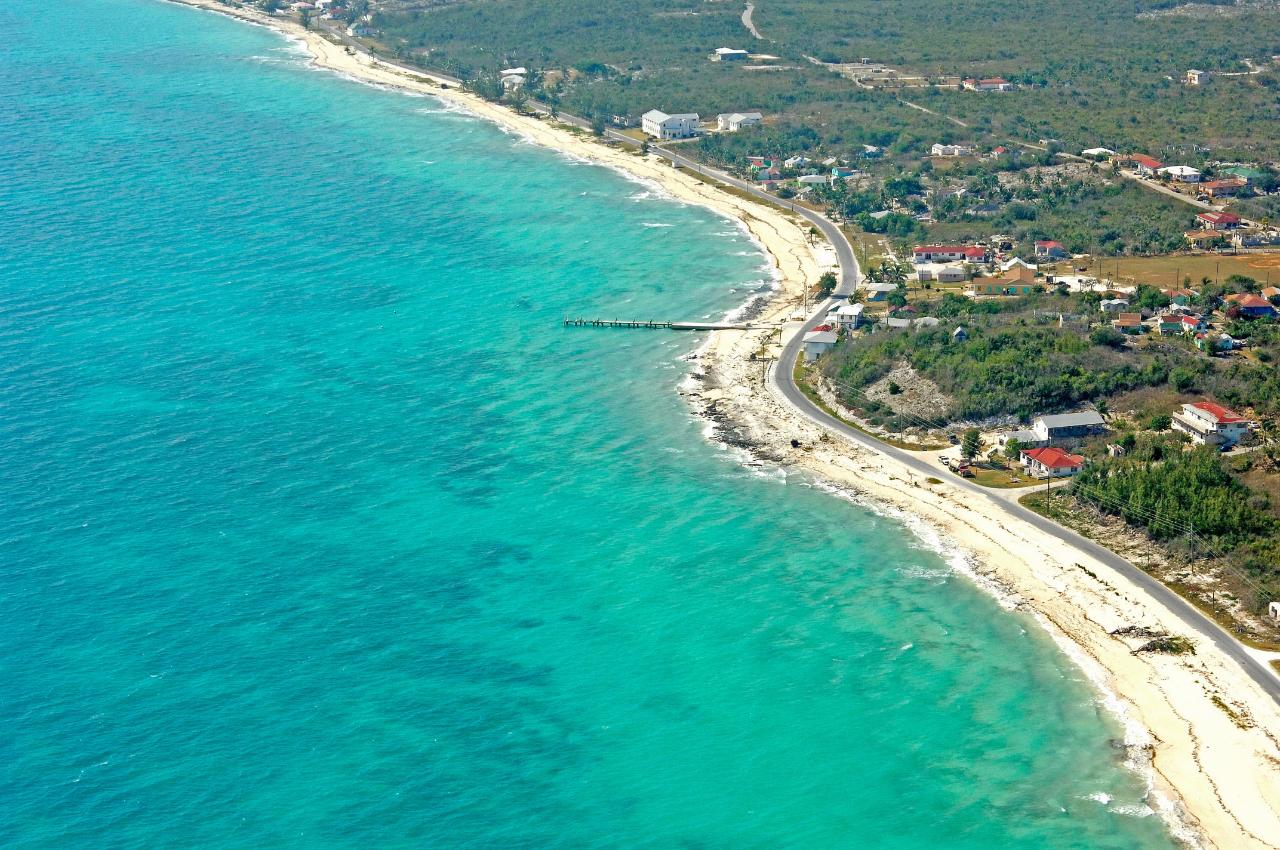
(783, 381)
(782, 378)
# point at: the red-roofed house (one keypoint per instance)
(1218, 220)
(1210, 424)
(1222, 188)
(949, 254)
(1049, 249)
(1145, 165)
(1255, 306)
(1051, 462)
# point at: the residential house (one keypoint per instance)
(1223, 342)
(1210, 424)
(1068, 426)
(839, 173)
(949, 254)
(1180, 297)
(989, 84)
(761, 162)
(1048, 249)
(795, 162)
(1016, 281)
(897, 323)
(1203, 239)
(818, 342)
(1145, 166)
(959, 334)
(1195, 77)
(729, 54)
(1097, 153)
(1254, 306)
(1213, 220)
(361, 31)
(660, 125)
(813, 180)
(880, 291)
(1225, 188)
(1024, 439)
(1016, 262)
(942, 273)
(1181, 173)
(1128, 323)
(1051, 462)
(1112, 305)
(951, 150)
(847, 317)
(1170, 324)
(1245, 173)
(732, 122)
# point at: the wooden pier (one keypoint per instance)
(673, 326)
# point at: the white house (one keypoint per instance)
(729, 54)
(1096, 153)
(813, 180)
(514, 72)
(1181, 173)
(512, 81)
(795, 162)
(1016, 262)
(1194, 77)
(360, 30)
(734, 121)
(817, 343)
(989, 84)
(940, 149)
(1210, 424)
(847, 317)
(1067, 426)
(942, 273)
(1113, 305)
(660, 125)
(879, 291)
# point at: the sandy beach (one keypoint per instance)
(1198, 726)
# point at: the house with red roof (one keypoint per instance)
(1218, 220)
(1051, 462)
(1145, 165)
(1224, 188)
(1176, 325)
(950, 254)
(1255, 306)
(1210, 424)
(1049, 249)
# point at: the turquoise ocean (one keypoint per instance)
(318, 530)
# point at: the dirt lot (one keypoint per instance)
(1169, 271)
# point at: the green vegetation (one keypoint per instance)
(1193, 501)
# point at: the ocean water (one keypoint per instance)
(318, 530)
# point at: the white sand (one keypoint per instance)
(1215, 776)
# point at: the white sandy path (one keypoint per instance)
(1218, 777)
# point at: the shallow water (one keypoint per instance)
(317, 529)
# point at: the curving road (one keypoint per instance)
(783, 381)
(786, 388)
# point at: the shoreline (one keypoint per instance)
(1211, 756)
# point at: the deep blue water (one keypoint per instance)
(318, 530)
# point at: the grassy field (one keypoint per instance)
(1171, 270)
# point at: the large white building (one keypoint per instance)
(660, 125)
(734, 121)
(1210, 424)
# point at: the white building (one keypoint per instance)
(813, 180)
(942, 272)
(1210, 424)
(1181, 173)
(660, 125)
(729, 54)
(795, 162)
(1113, 305)
(1195, 77)
(817, 343)
(1067, 426)
(1095, 153)
(732, 122)
(847, 317)
(940, 149)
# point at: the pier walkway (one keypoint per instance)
(674, 326)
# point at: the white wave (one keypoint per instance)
(1099, 797)
(657, 224)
